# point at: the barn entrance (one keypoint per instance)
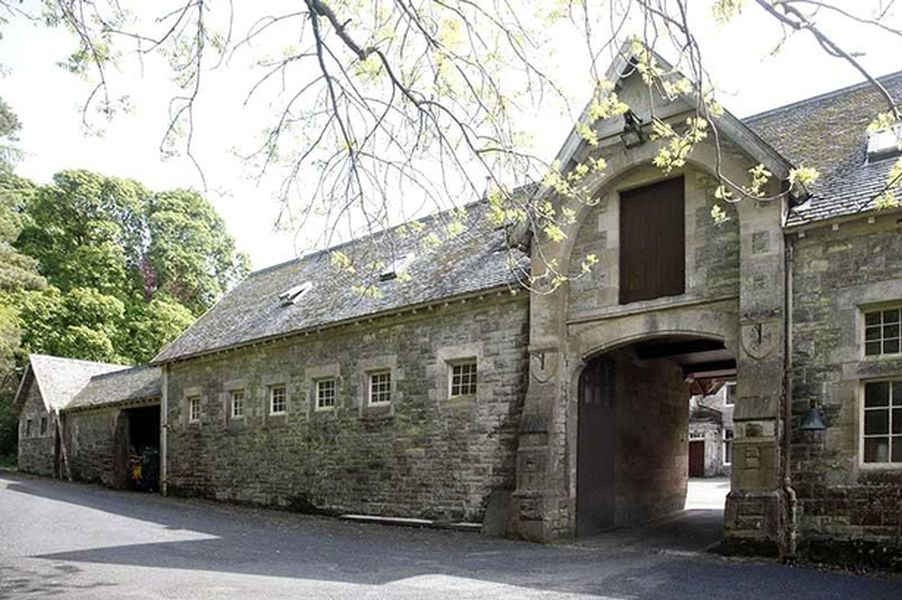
(137, 449)
(633, 428)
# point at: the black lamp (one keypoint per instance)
(813, 420)
(632, 134)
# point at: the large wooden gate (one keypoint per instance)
(595, 475)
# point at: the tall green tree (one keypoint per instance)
(189, 257)
(128, 269)
(18, 273)
(86, 230)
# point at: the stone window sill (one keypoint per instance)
(275, 421)
(321, 414)
(464, 400)
(378, 411)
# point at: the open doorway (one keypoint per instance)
(137, 449)
(633, 443)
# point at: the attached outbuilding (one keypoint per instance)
(48, 385)
(90, 421)
(111, 430)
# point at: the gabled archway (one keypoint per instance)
(632, 427)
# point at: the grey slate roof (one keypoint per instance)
(828, 132)
(137, 383)
(477, 259)
(60, 379)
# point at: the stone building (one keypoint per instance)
(458, 396)
(110, 424)
(711, 432)
(48, 385)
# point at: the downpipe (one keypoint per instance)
(790, 544)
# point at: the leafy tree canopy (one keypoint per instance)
(378, 101)
(100, 268)
(128, 269)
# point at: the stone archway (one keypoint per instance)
(733, 293)
(632, 421)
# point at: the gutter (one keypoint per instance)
(510, 289)
(791, 540)
(120, 404)
(806, 226)
(164, 430)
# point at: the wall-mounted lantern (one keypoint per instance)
(632, 134)
(813, 420)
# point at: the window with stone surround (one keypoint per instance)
(379, 388)
(325, 393)
(463, 378)
(882, 331)
(43, 425)
(278, 400)
(727, 446)
(236, 398)
(729, 394)
(194, 409)
(882, 422)
(27, 427)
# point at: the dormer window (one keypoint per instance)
(399, 265)
(294, 294)
(885, 143)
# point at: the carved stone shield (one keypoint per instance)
(543, 364)
(761, 338)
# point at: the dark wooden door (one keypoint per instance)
(652, 241)
(595, 476)
(697, 458)
(120, 451)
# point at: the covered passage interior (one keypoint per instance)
(137, 448)
(633, 428)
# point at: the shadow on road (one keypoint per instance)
(16, 582)
(272, 543)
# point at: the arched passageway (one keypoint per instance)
(633, 423)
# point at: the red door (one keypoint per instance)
(697, 458)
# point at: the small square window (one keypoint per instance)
(463, 378)
(380, 387)
(278, 400)
(193, 409)
(237, 402)
(727, 446)
(730, 394)
(43, 425)
(881, 425)
(882, 332)
(325, 393)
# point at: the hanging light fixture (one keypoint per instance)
(632, 134)
(813, 420)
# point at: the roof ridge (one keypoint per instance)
(144, 367)
(356, 240)
(820, 97)
(76, 360)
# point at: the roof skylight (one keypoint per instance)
(885, 143)
(399, 265)
(294, 294)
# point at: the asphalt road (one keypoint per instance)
(63, 540)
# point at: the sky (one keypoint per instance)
(47, 99)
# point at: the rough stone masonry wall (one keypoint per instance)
(711, 434)
(424, 456)
(652, 453)
(36, 451)
(850, 512)
(89, 438)
(712, 251)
